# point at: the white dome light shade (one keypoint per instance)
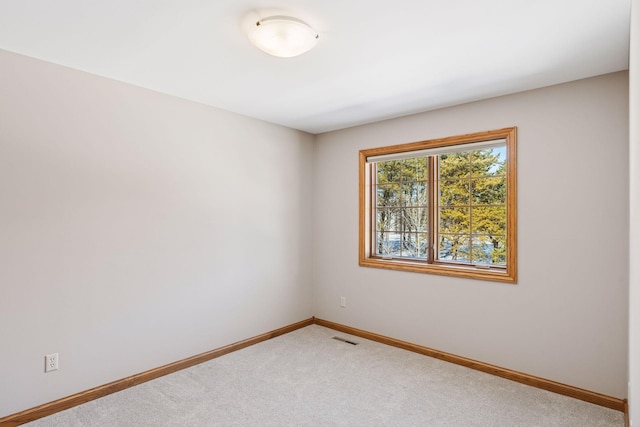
(283, 36)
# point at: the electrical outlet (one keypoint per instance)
(343, 302)
(51, 362)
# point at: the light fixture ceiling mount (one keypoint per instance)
(283, 36)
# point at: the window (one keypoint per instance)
(444, 206)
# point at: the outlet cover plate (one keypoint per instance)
(51, 362)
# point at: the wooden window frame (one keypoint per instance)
(507, 274)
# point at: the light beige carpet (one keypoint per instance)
(306, 378)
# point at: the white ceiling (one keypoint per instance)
(374, 60)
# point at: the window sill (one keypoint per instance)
(496, 275)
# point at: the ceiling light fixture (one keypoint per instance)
(283, 36)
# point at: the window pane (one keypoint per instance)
(414, 245)
(489, 191)
(422, 173)
(489, 250)
(388, 244)
(454, 192)
(414, 169)
(489, 220)
(415, 193)
(454, 247)
(409, 245)
(489, 162)
(389, 171)
(454, 165)
(415, 219)
(388, 195)
(454, 220)
(388, 219)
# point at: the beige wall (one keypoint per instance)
(634, 232)
(566, 319)
(137, 229)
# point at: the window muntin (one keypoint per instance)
(441, 206)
